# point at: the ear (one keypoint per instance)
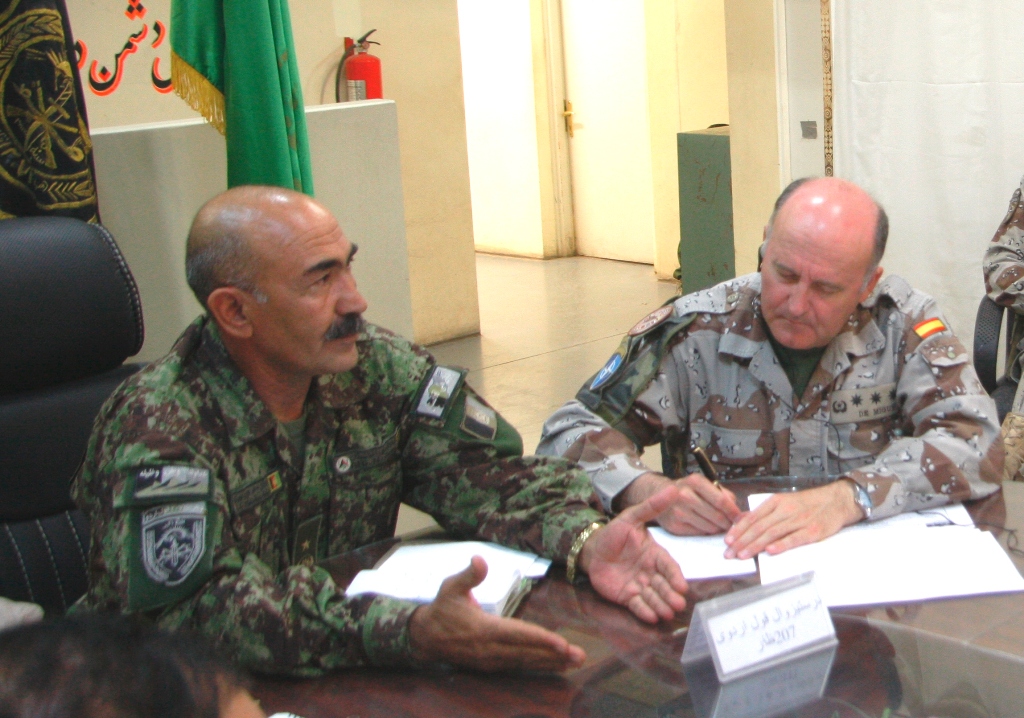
(229, 307)
(876, 274)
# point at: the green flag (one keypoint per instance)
(234, 62)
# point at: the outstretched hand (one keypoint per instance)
(627, 566)
(455, 630)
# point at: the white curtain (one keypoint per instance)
(929, 117)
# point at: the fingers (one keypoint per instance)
(700, 508)
(720, 500)
(465, 581)
(785, 521)
(650, 508)
(509, 643)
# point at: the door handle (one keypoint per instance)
(567, 114)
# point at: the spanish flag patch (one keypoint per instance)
(928, 327)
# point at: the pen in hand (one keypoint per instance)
(706, 467)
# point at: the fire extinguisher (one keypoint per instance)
(360, 71)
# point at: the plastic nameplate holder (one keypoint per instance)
(759, 627)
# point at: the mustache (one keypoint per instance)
(345, 326)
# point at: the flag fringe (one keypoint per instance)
(201, 94)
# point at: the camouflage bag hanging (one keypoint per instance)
(46, 165)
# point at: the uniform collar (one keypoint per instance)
(246, 416)
(745, 338)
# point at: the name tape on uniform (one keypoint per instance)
(872, 402)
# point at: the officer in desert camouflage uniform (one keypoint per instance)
(810, 368)
(281, 429)
(1003, 268)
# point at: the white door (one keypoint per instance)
(605, 78)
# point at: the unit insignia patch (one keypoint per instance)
(173, 541)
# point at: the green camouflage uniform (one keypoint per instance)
(894, 403)
(202, 517)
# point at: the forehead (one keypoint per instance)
(292, 243)
(823, 244)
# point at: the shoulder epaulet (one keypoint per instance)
(611, 391)
(895, 288)
(718, 299)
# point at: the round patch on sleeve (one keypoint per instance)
(652, 320)
(607, 371)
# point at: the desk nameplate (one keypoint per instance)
(760, 627)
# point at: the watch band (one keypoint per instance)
(577, 547)
(861, 496)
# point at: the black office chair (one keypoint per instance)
(70, 315)
(987, 330)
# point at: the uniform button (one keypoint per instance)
(732, 297)
(759, 451)
(950, 353)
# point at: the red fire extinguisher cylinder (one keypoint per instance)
(366, 68)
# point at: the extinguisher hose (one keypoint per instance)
(339, 75)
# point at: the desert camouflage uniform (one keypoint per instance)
(201, 517)
(1003, 268)
(905, 418)
(1004, 274)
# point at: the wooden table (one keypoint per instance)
(958, 657)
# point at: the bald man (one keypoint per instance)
(282, 429)
(815, 367)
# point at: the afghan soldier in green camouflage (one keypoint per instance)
(281, 429)
(811, 368)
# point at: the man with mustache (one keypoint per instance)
(813, 367)
(281, 429)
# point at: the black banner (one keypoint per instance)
(46, 165)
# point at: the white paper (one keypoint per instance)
(954, 514)
(874, 563)
(756, 633)
(702, 556)
(415, 572)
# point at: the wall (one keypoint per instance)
(501, 126)
(701, 64)
(753, 115)
(153, 178)
(689, 91)
(422, 73)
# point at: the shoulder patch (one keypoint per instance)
(652, 320)
(479, 420)
(173, 541)
(437, 392)
(158, 483)
(607, 371)
(928, 327)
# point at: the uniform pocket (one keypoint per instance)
(366, 488)
(734, 447)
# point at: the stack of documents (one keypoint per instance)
(930, 554)
(415, 572)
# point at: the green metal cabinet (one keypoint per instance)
(706, 253)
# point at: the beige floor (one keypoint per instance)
(545, 327)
